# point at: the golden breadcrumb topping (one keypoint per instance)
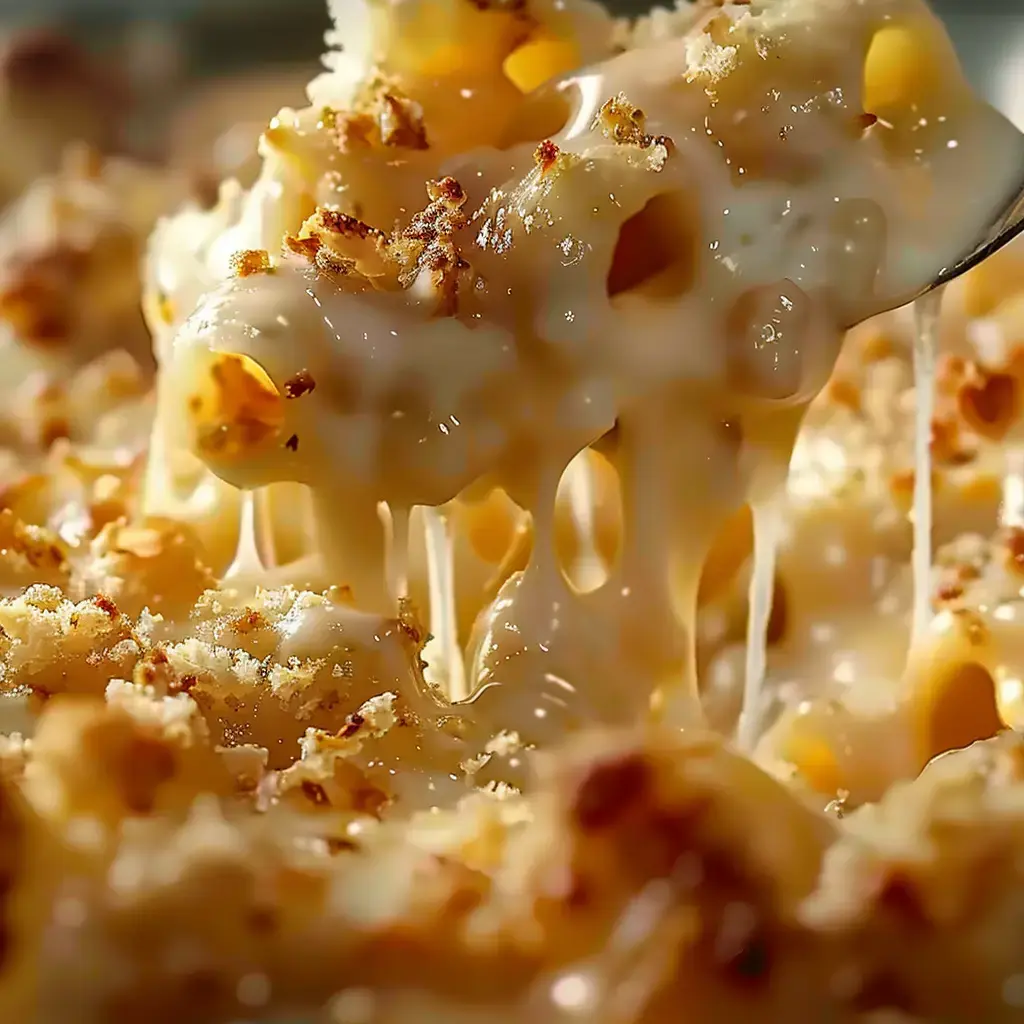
(250, 261)
(624, 124)
(424, 254)
(339, 244)
(381, 116)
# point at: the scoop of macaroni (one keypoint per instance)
(665, 263)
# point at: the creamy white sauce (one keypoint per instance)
(772, 221)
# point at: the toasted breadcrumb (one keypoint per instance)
(249, 262)
(156, 564)
(381, 116)
(36, 299)
(707, 61)
(339, 244)
(52, 645)
(32, 553)
(427, 250)
(989, 402)
(545, 155)
(133, 754)
(424, 254)
(301, 383)
(621, 122)
(933, 861)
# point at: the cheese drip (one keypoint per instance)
(670, 275)
(767, 519)
(1012, 506)
(443, 653)
(248, 562)
(926, 319)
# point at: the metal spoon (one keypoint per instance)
(1007, 226)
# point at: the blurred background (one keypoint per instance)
(179, 72)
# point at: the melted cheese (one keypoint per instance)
(678, 280)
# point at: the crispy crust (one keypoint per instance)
(381, 117)
(424, 254)
(250, 262)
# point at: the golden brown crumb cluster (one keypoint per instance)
(249, 262)
(427, 248)
(989, 402)
(383, 116)
(339, 244)
(545, 155)
(645, 837)
(624, 124)
(301, 383)
(45, 556)
(425, 253)
(36, 300)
